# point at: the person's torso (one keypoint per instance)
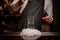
(34, 8)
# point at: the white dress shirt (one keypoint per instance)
(48, 7)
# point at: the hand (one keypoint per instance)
(48, 19)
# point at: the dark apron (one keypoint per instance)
(34, 8)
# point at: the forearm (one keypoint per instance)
(48, 7)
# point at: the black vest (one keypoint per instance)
(34, 8)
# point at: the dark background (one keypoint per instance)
(56, 16)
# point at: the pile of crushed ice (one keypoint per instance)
(30, 33)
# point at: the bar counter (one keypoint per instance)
(18, 34)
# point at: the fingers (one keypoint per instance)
(48, 19)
